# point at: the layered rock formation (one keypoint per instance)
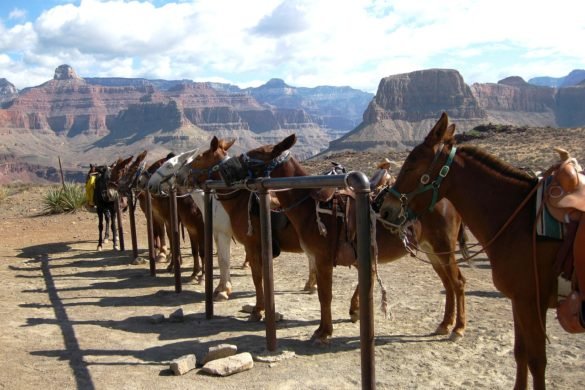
(101, 120)
(407, 105)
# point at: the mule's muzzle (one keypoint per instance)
(232, 171)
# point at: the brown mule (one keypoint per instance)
(439, 233)
(245, 226)
(475, 182)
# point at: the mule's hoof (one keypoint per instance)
(161, 259)
(255, 316)
(455, 336)
(354, 317)
(196, 279)
(320, 341)
(441, 330)
(116, 247)
(310, 288)
(221, 296)
(99, 248)
(106, 240)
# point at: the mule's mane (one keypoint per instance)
(496, 164)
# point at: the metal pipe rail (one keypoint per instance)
(360, 184)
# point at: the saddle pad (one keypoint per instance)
(546, 224)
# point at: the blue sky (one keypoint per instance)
(305, 42)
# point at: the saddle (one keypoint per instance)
(342, 230)
(565, 201)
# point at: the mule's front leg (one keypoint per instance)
(324, 286)
(253, 256)
(354, 307)
(529, 344)
(114, 225)
(224, 289)
(311, 285)
(100, 228)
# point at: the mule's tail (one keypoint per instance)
(462, 240)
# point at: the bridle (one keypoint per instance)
(195, 173)
(425, 184)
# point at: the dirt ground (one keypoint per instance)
(72, 317)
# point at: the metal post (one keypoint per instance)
(267, 271)
(175, 240)
(120, 225)
(132, 204)
(361, 187)
(208, 226)
(150, 233)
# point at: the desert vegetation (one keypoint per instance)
(64, 199)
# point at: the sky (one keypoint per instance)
(307, 43)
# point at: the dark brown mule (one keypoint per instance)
(236, 205)
(438, 233)
(189, 215)
(476, 182)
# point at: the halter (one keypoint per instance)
(406, 213)
(246, 167)
(252, 163)
(195, 172)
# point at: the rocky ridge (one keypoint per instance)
(407, 105)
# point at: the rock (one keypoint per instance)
(177, 315)
(230, 365)
(184, 364)
(139, 261)
(219, 352)
(157, 318)
(274, 357)
(248, 308)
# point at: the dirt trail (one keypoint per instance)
(76, 318)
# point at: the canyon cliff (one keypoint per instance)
(407, 105)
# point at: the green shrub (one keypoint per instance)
(66, 199)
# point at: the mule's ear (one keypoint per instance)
(214, 144)
(449, 136)
(283, 145)
(438, 132)
(127, 161)
(225, 145)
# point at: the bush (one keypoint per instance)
(66, 199)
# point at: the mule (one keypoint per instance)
(105, 204)
(163, 179)
(438, 234)
(245, 225)
(522, 267)
(188, 213)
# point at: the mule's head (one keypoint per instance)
(118, 170)
(142, 180)
(204, 166)
(128, 179)
(163, 179)
(418, 185)
(264, 161)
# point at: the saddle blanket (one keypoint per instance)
(546, 224)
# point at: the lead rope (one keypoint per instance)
(374, 243)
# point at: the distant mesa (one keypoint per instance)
(89, 119)
(65, 72)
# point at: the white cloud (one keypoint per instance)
(307, 42)
(17, 13)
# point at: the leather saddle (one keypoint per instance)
(565, 201)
